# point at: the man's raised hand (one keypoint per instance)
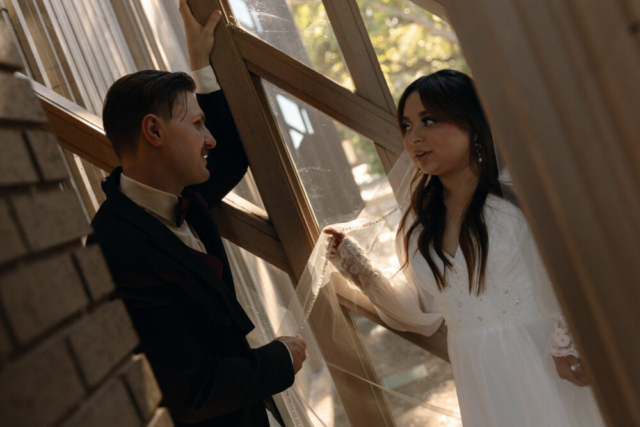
(200, 38)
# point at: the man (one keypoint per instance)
(166, 255)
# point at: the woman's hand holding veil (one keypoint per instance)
(335, 240)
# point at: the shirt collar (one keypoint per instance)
(156, 201)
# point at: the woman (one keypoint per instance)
(469, 255)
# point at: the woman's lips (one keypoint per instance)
(422, 156)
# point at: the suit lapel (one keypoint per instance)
(200, 219)
(161, 237)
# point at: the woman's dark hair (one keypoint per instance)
(134, 96)
(450, 96)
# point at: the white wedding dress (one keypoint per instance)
(500, 341)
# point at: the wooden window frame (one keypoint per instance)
(286, 237)
(605, 319)
(241, 61)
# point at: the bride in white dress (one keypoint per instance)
(472, 261)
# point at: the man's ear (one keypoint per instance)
(152, 130)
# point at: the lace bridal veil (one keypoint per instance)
(322, 289)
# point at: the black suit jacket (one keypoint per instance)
(190, 324)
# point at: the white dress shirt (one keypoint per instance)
(163, 206)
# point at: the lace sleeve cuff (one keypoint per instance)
(353, 264)
(562, 343)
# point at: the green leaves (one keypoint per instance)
(409, 41)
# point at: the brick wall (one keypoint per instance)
(65, 348)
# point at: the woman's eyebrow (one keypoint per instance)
(421, 114)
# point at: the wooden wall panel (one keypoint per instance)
(562, 105)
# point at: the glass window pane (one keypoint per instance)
(248, 190)
(167, 32)
(340, 171)
(339, 168)
(264, 291)
(414, 372)
(165, 20)
(409, 42)
(70, 58)
(301, 29)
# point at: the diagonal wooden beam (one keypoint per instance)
(351, 109)
(437, 7)
(81, 133)
(362, 62)
(78, 130)
(285, 200)
(358, 52)
(248, 226)
(435, 344)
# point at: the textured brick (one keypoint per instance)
(18, 102)
(9, 56)
(40, 295)
(39, 388)
(142, 383)
(16, 166)
(5, 342)
(12, 246)
(95, 271)
(52, 218)
(44, 146)
(161, 419)
(109, 407)
(103, 340)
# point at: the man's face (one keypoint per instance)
(187, 143)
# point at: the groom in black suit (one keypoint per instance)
(164, 249)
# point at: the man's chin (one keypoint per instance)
(205, 176)
(201, 178)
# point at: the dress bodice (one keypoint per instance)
(507, 294)
(516, 284)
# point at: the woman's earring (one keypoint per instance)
(477, 147)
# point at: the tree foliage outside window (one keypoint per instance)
(409, 42)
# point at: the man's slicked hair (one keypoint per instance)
(136, 95)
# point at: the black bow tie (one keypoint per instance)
(184, 203)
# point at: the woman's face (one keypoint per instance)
(437, 148)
